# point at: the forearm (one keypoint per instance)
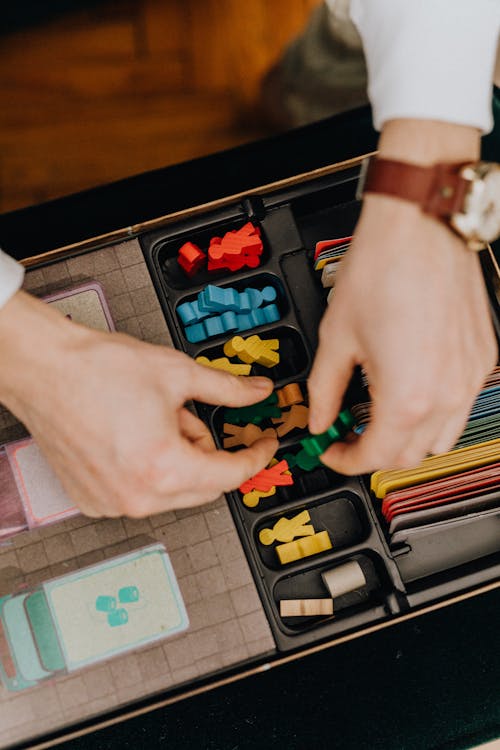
(429, 141)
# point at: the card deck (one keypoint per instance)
(12, 517)
(89, 615)
(435, 467)
(449, 510)
(85, 304)
(42, 495)
(449, 486)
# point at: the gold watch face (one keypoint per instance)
(479, 221)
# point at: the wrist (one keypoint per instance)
(427, 142)
(33, 338)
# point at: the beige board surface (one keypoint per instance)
(227, 621)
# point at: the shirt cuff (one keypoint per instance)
(11, 277)
(431, 59)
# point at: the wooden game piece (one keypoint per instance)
(253, 349)
(234, 346)
(274, 476)
(258, 317)
(191, 258)
(305, 547)
(246, 435)
(236, 249)
(315, 445)
(255, 413)
(217, 299)
(306, 607)
(346, 419)
(344, 578)
(189, 313)
(222, 363)
(195, 333)
(290, 394)
(261, 351)
(296, 417)
(200, 324)
(251, 499)
(303, 460)
(217, 325)
(286, 529)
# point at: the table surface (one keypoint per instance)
(432, 682)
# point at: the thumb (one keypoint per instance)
(218, 387)
(330, 375)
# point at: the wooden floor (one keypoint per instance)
(124, 86)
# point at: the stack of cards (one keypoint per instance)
(31, 494)
(85, 304)
(444, 487)
(89, 615)
(449, 487)
(327, 257)
(483, 423)
(436, 467)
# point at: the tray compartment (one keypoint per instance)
(167, 252)
(306, 484)
(255, 281)
(341, 516)
(361, 603)
(294, 362)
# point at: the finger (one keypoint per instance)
(216, 387)
(329, 378)
(450, 433)
(382, 444)
(419, 444)
(188, 469)
(195, 431)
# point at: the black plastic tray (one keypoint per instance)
(291, 222)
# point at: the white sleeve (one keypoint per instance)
(430, 59)
(11, 277)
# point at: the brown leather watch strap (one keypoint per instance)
(438, 189)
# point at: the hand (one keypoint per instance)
(108, 412)
(410, 307)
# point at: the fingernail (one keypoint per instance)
(312, 422)
(261, 383)
(315, 425)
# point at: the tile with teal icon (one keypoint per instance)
(114, 606)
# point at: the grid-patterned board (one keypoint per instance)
(227, 622)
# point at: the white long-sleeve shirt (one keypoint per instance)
(427, 59)
(11, 277)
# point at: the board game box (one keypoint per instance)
(298, 557)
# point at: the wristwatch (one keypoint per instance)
(464, 196)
